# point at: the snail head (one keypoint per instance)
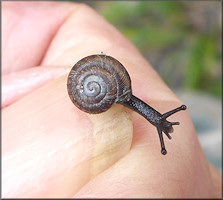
(166, 126)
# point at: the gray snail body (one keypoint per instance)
(97, 82)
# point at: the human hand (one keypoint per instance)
(52, 149)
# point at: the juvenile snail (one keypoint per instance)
(97, 82)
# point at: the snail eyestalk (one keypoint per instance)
(154, 117)
(167, 114)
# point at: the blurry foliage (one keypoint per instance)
(181, 40)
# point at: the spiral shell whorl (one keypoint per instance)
(97, 82)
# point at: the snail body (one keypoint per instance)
(97, 82)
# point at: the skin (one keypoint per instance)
(52, 149)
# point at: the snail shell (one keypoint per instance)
(97, 82)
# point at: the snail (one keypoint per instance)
(96, 82)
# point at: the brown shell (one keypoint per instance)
(97, 82)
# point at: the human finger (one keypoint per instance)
(27, 31)
(62, 51)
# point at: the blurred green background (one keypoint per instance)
(181, 40)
